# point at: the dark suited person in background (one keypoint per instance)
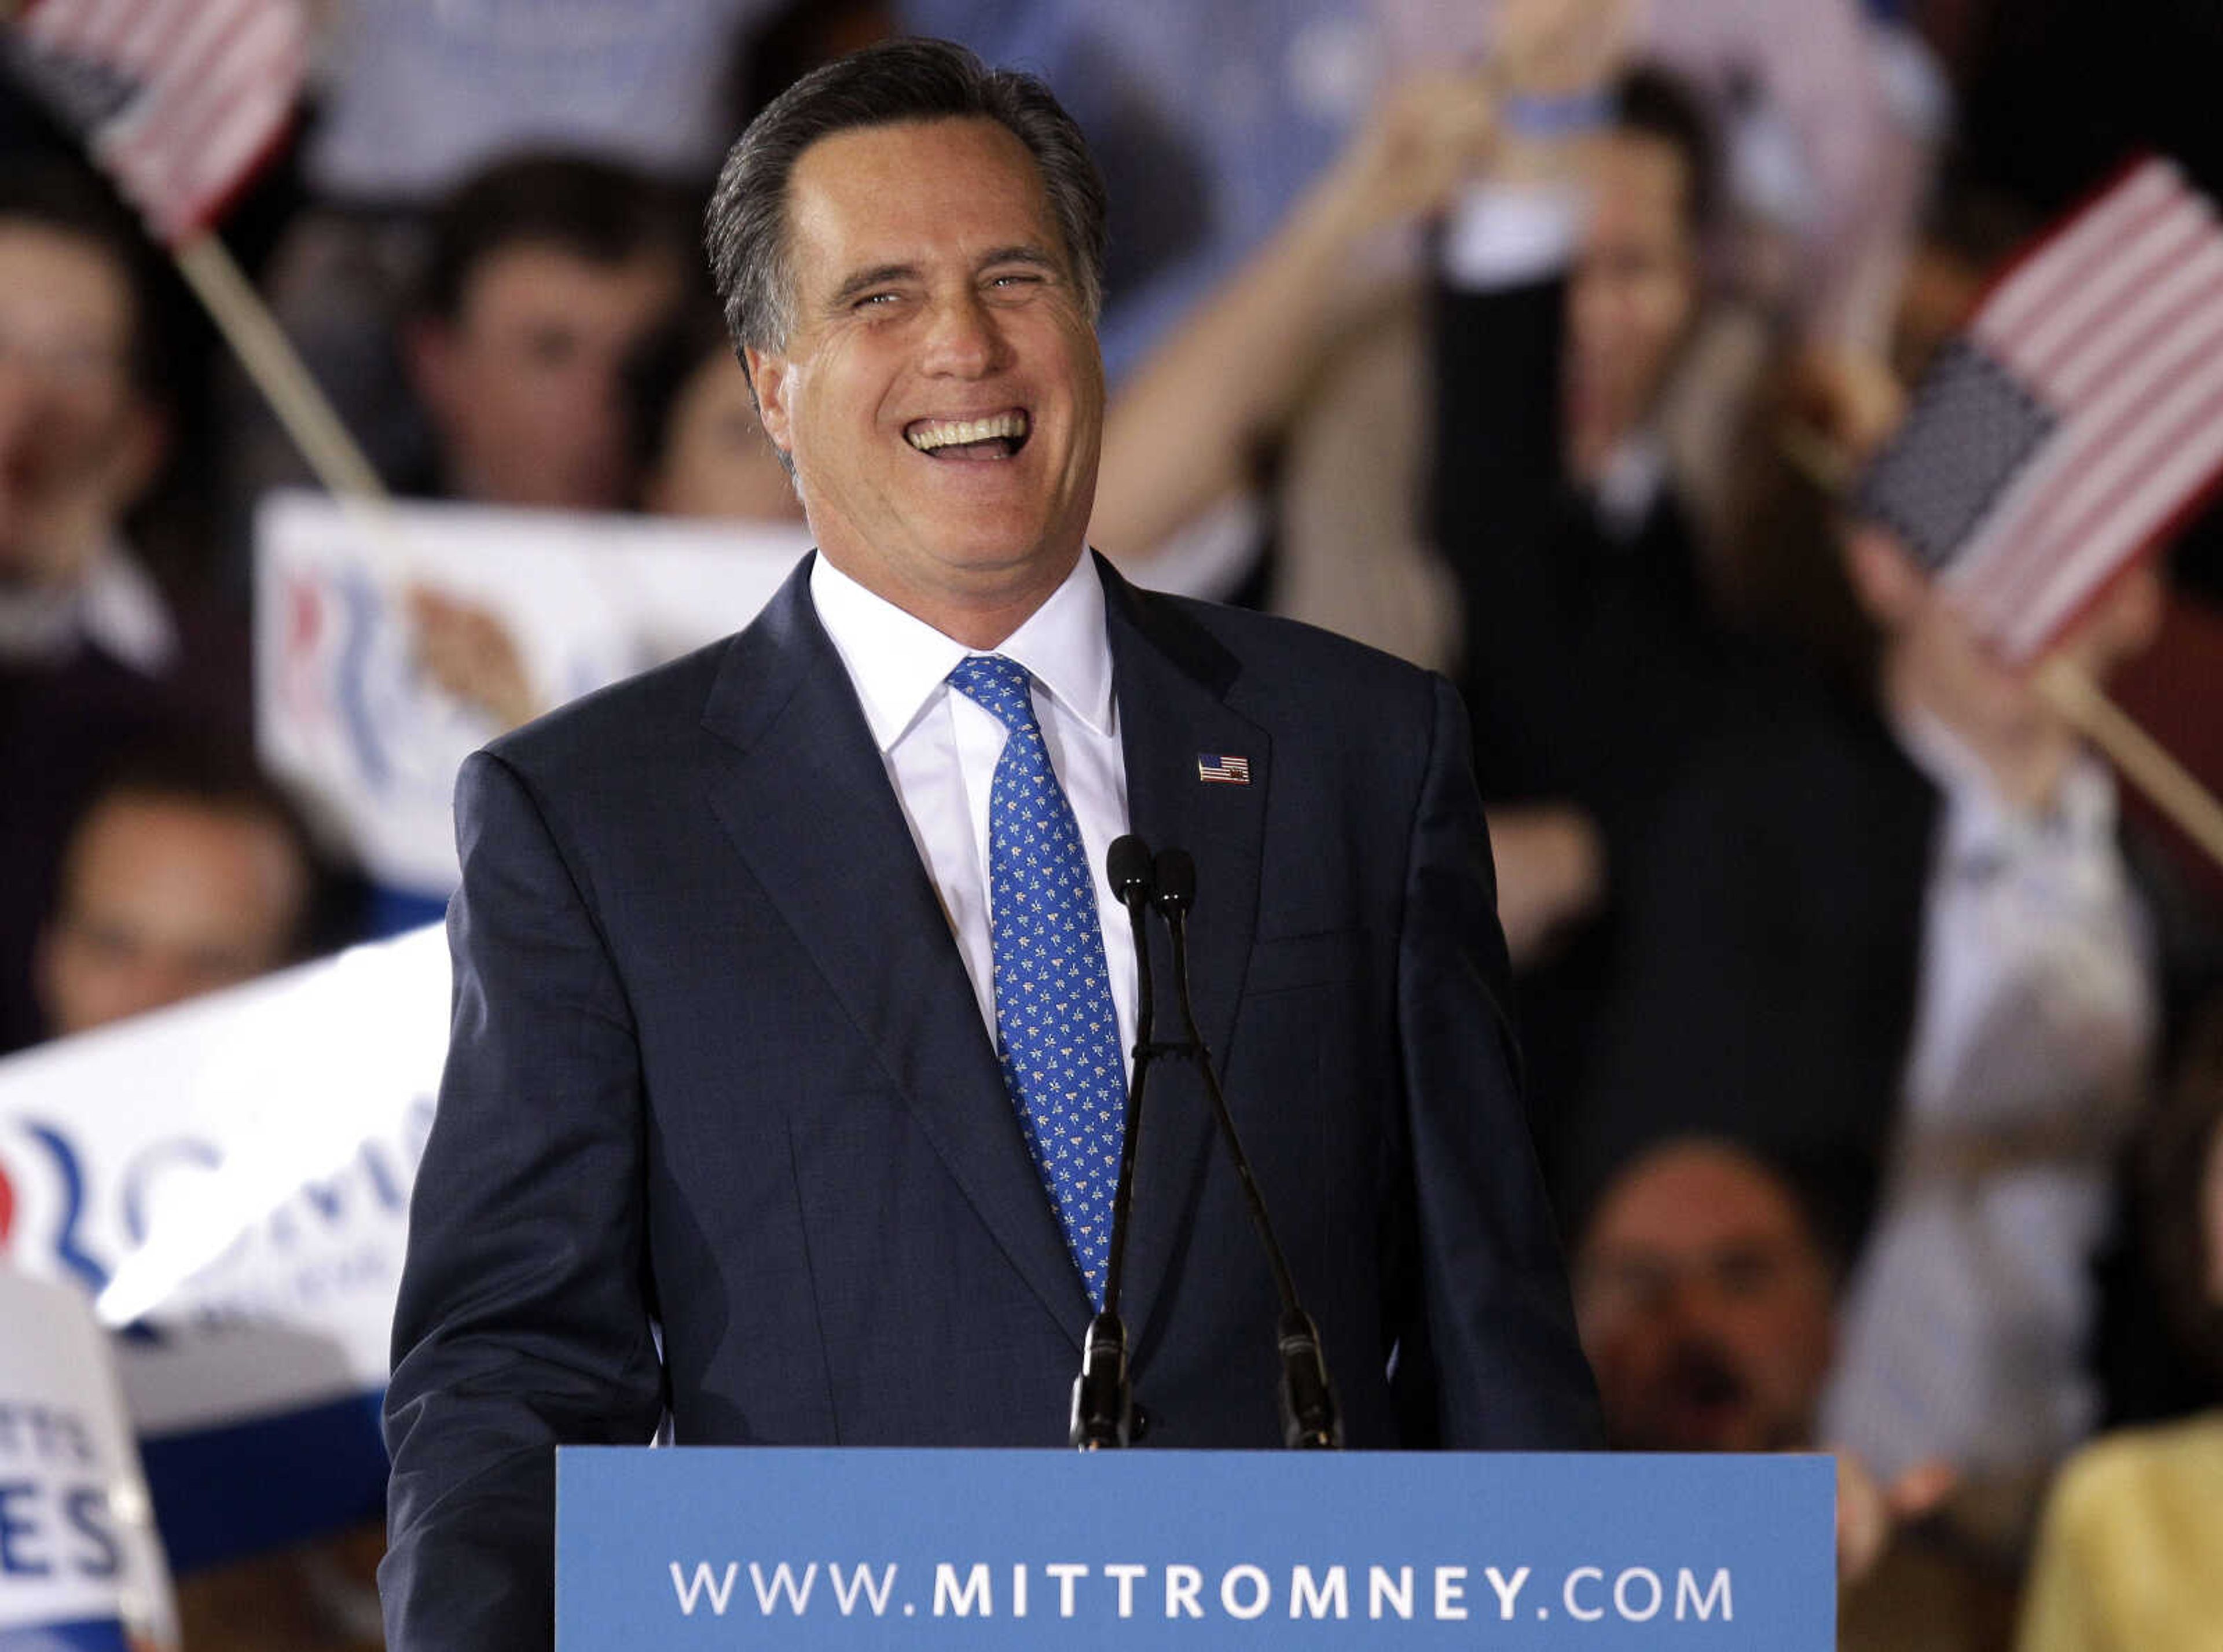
(786, 1092)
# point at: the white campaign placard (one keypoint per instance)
(342, 710)
(78, 1554)
(230, 1179)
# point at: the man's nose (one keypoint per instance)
(1692, 1303)
(963, 340)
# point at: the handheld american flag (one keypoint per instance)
(180, 100)
(2078, 420)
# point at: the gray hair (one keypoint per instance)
(746, 228)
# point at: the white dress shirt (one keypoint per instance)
(940, 748)
(114, 605)
(1965, 1325)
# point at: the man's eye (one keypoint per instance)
(1015, 278)
(876, 300)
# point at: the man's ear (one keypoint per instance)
(770, 375)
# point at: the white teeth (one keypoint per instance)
(929, 434)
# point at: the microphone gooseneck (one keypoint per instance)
(1132, 873)
(1310, 1419)
(1103, 1398)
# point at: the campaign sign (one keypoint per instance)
(228, 1181)
(824, 1549)
(345, 712)
(79, 1570)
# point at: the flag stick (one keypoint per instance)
(271, 360)
(2072, 693)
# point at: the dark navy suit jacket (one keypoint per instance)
(723, 1137)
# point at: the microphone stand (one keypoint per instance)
(1310, 1419)
(1103, 1398)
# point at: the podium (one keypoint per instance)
(720, 1547)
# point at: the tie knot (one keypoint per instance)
(1004, 686)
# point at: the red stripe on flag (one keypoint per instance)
(64, 25)
(107, 25)
(2155, 317)
(214, 84)
(2100, 312)
(144, 49)
(239, 90)
(2162, 511)
(2060, 547)
(159, 147)
(2005, 541)
(142, 144)
(2182, 517)
(2083, 242)
(2160, 451)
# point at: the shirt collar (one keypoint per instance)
(1634, 476)
(899, 662)
(113, 605)
(1983, 827)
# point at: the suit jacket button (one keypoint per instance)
(1138, 1425)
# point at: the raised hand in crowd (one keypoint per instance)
(1561, 48)
(1184, 433)
(1870, 1513)
(471, 655)
(1551, 874)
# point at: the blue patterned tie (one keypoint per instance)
(1059, 1032)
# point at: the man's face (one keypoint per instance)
(1705, 1306)
(78, 445)
(941, 395)
(1633, 298)
(524, 383)
(162, 900)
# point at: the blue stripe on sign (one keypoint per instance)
(395, 912)
(92, 1634)
(224, 1493)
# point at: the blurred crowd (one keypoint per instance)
(1873, 1047)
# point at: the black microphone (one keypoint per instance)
(1127, 863)
(1310, 1418)
(1103, 1399)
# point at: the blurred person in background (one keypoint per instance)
(1571, 286)
(188, 872)
(1705, 1289)
(408, 102)
(1705, 1293)
(2126, 1552)
(94, 657)
(546, 273)
(1826, 110)
(1906, 904)
(1209, 121)
(701, 449)
(1201, 439)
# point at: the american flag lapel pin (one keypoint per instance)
(1228, 771)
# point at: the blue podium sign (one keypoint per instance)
(729, 1548)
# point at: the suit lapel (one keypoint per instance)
(805, 799)
(1171, 679)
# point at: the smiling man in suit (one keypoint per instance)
(786, 1085)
